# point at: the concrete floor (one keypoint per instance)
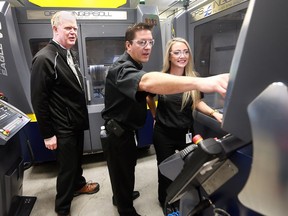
(40, 181)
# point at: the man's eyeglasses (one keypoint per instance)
(144, 43)
(178, 53)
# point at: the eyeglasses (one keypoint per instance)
(144, 43)
(178, 53)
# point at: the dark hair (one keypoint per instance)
(130, 33)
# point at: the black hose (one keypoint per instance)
(206, 203)
(27, 165)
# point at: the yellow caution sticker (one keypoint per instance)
(80, 3)
(32, 116)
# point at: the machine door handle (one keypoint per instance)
(88, 90)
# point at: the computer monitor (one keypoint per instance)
(260, 59)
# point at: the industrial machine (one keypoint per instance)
(12, 203)
(212, 28)
(243, 172)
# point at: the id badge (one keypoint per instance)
(188, 138)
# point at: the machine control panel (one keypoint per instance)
(11, 121)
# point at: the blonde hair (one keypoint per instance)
(57, 17)
(188, 71)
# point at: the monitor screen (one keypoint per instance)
(260, 59)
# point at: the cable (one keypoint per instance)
(176, 2)
(178, 10)
(171, 209)
(200, 207)
(27, 165)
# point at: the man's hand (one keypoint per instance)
(217, 83)
(51, 143)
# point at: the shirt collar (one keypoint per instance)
(60, 44)
(128, 57)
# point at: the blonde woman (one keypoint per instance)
(174, 120)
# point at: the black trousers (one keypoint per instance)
(69, 154)
(121, 156)
(166, 141)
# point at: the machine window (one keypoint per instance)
(39, 43)
(101, 53)
(214, 46)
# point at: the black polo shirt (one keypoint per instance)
(169, 112)
(123, 101)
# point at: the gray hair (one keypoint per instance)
(57, 17)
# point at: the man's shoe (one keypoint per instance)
(88, 188)
(63, 214)
(135, 195)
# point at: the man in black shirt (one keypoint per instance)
(126, 89)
